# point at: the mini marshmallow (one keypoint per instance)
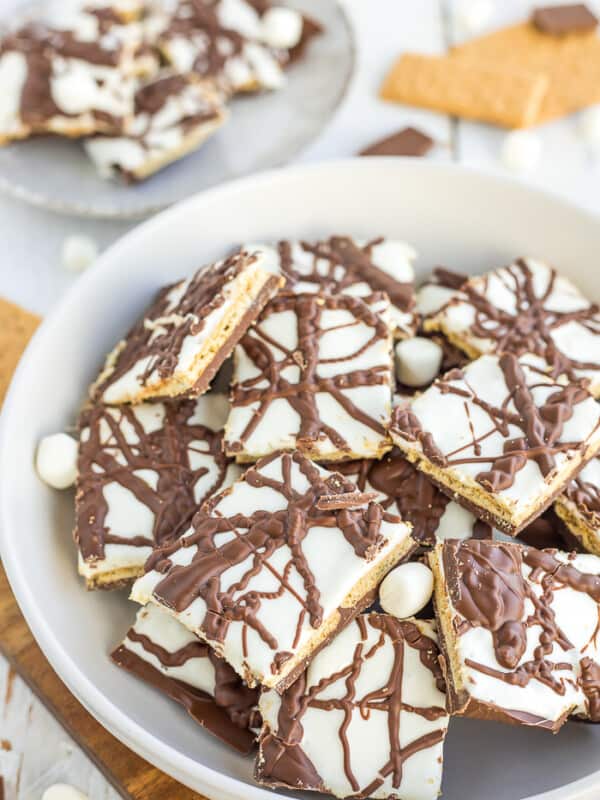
(472, 16)
(62, 791)
(589, 125)
(56, 460)
(78, 252)
(406, 590)
(281, 28)
(418, 361)
(521, 151)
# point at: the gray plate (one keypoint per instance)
(264, 131)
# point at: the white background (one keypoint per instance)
(31, 274)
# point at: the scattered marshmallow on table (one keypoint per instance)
(589, 125)
(78, 252)
(56, 460)
(418, 361)
(521, 151)
(406, 590)
(472, 16)
(62, 791)
(281, 27)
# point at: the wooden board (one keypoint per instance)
(131, 776)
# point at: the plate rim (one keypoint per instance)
(86, 210)
(146, 744)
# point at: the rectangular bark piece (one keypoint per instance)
(265, 577)
(502, 436)
(518, 629)
(367, 718)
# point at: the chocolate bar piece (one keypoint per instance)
(407, 142)
(314, 373)
(526, 307)
(173, 116)
(401, 489)
(164, 654)
(184, 337)
(579, 507)
(501, 436)
(366, 719)
(563, 20)
(518, 629)
(265, 576)
(142, 472)
(358, 267)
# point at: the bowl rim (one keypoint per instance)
(117, 722)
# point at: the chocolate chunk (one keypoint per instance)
(562, 20)
(407, 142)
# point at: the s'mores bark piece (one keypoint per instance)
(502, 436)
(367, 718)
(351, 266)
(183, 338)
(142, 472)
(55, 84)
(229, 42)
(401, 489)
(173, 116)
(518, 629)
(579, 507)
(272, 568)
(526, 307)
(315, 373)
(163, 653)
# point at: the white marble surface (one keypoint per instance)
(31, 274)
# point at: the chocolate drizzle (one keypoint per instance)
(270, 381)
(407, 492)
(509, 589)
(282, 760)
(254, 541)
(529, 327)
(108, 455)
(541, 425)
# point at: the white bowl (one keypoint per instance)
(462, 219)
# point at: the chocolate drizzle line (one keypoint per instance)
(302, 394)
(257, 537)
(349, 264)
(529, 328)
(282, 760)
(203, 295)
(541, 426)
(165, 451)
(488, 589)
(409, 492)
(230, 714)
